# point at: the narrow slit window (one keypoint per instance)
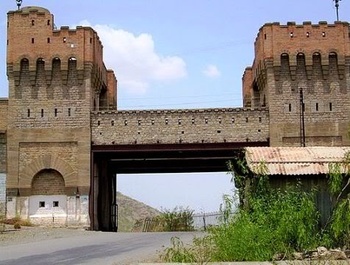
(56, 112)
(48, 40)
(179, 121)
(193, 121)
(316, 106)
(42, 113)
(125, 122)
(290, 107)
(139, 122)
(33, 40)
(330, 106)
(28, 113)
(166, 121)
(112, 123)
(152, 122)
(64, 39)
(98, 123)
(49, 22)
(233, 120)
(69, 112)
(246, 119)
(33, 22)
(206, 121)
(260, 119)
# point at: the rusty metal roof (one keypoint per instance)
(294, 160)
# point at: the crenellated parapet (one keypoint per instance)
(49, 59)
(180, 126)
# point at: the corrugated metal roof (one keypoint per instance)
(294, 160)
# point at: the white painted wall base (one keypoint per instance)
(51, 210)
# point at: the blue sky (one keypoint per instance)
(176, 54)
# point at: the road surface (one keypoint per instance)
(93, 248)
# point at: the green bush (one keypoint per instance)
(279, 222)
(179, 219)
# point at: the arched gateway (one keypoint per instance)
(66, 140)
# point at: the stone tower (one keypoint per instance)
(312, 60)
(56, 77)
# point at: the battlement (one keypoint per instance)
(274, 39)
(180, 126)
(46, 58)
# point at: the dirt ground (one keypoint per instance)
(11, 236)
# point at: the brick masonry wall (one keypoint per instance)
(179, 126)
(315, 58)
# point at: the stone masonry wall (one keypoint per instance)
(179, 126)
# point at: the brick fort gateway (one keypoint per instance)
(63, 139)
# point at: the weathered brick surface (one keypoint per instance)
(315, 58)
(180, 126)
(62, 99)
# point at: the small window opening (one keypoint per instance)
(246, 119)
(323, 34)
(166, 121)
(220, 121)
(265, 36)
(90, 40)
(182, 132)
(49, 22)
(307, 34)
(125, 122)
(152, 122)
(112, 123)
(48, 40)
(206, 121)
(179, 121)
(32, 40)
(41, 204)
(218, 131)
(64, 39)
(139, 122)
(290, 107)
(260, 119)
(98, 123)
(33, 22)
(330, 106)
(56, 112)
(7, 42)
(233, 120)
(28, 113)
(42, 113)
(69, 112)
(291, 34)
(55, 204)
(316, 106)
(193, 121)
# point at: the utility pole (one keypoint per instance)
(337, 8)
(302, 118)
(19, 3)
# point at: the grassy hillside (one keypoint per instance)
(131, 210)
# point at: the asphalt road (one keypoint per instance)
(97, 248)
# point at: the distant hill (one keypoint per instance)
(130, 210)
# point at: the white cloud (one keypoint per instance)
(135, 60)
(211, 71)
